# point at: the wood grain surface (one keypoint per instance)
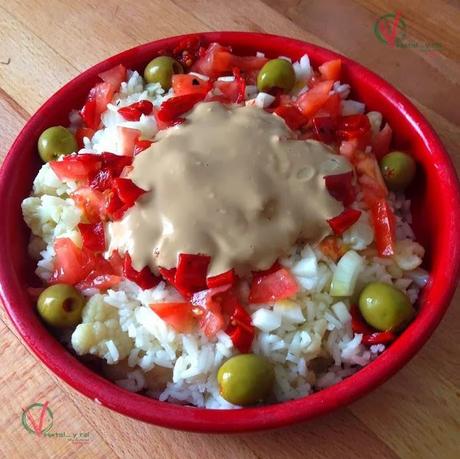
(44, 43)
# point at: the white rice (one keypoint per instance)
(293, 334)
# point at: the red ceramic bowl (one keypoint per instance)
(436, 205)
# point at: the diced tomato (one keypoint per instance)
(213, 308)
(187, 51)
(93, 236)
(332, 107)
(127, 191)
(381, 142)
(134, 111)
(145, 279)
(116, 262)
(330, 70)
(219, 60)
(115, 207)
(127, 139)
(71, 264)
(178, 315)
(311, 101)
(343, 221)
(340, 186)
(171, 109)
(78, 167)
(273, 287)
(102, 281)
(232, 91)
(292, 116)
(273, 268)
(333, 247)
(183, 84)
(384, 224)
(191, 272)
(80, 133)
(91, 202)
(141, 145)
(112, 166)
(96, 104)
(227, 278)
(114, 76)
(168, 274)
(241, 330)
(353, 127)
(325, 128)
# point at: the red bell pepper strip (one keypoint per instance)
(171, 109)
(370, 336)
(241, 330)
(127, 191)
(145, 279)
(353, 127)
(292, 116)
(383, 220)
(141, 145)
(325, 128)
(340, 186)
(378, 338)
(227, 278)
(191, 273)
(93, 236)
(343, 221)
(134, 111)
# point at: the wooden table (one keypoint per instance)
(45, 43)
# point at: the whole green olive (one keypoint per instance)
(385, 307)
(398, 170)
(161, 69)
(56, 141)
(60, 305)
(245, 379)
(277, 73)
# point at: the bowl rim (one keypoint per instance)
(94, 386)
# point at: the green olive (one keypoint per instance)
(245, 379)
(161, 69)
(60, 305)
(385, 307)
(277, 73)
(398, 170)
(56, 141)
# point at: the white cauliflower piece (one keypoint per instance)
(100, 332)
(50, 217)
(408, 254)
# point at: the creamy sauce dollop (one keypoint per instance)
(231, 183)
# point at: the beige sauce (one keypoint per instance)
(229, 183)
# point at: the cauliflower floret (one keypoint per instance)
(50, 217)
(100, 332)
(47, 182)
(408, 254)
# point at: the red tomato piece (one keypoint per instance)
(171, 109)
(116, 262)
(78, 167)
(381, 142)
(378, 338)
(184, 84)
(340, 186)
(141, 145)
(91, 202)
(273, 287)
(332, 107)
(83, 132)
(353, 127)
(343, 221)
(96, 104)
(127, 191)
(127, 139)
(227, 278)
(191, 272)
(145, 279)
(384, 224)
(187, 51)
(311, 101)
(292, 116)
(325, 128)
(241, 330)
(100, 281)
(330, 70)
(71, 264)
(134, 111)
(93, 236)
(178, 315)
(114, 76)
